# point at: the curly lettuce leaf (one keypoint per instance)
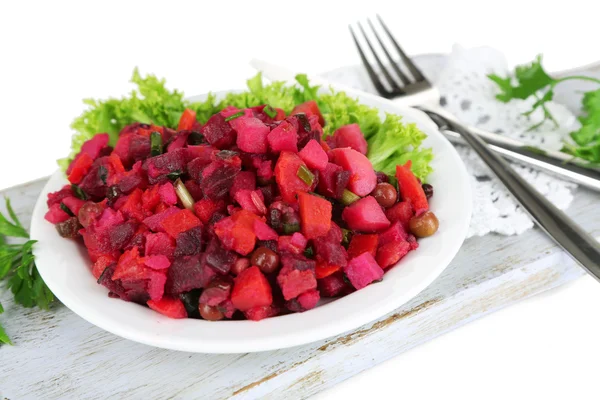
(391, 142)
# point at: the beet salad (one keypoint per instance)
(250, 215)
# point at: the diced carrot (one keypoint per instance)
(363, 244)
(187, 120)
(315, 215)
(81, 167)
(323, 269)
(411, 189)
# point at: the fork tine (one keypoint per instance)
(411, 66)
(374, 78)
(393, 63)
(384, 70)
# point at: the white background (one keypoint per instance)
(53, 54)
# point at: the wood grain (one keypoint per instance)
(59, 355)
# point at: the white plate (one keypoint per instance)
(66, 269)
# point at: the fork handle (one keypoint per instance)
(563, 230)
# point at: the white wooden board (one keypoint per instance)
(59, 355)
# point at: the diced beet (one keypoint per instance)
(251, 289)
(264, 170)
(331, 252)
(122, 149)
(315, 215)
(159, 244)
(171, 307)
(363, 270)
(251, 134)
(365, 215)
(411, 189)
(118, 236)
(294, 244)
(202, 152)
(264, 231)
(363, 179)
(194, 188)
(227, 308)
(94, 145)
(395, 233)
(180, 221)
(219, 132)
(160, 166)
(220, 259)
(217, 179)
(335, 234)
(179, 141)
(189, 242)
(363, 243)
(260, 313)
(296, 277)
(195, 167)
(110, 217)
(333, 180)
(309, 108)
(167, 194)
(314, 156)
(332, 285)
(135, 291)
(127, 181)
(187, 273)
(57, 197)
(402, 212)
(283, 138)
(308, 300)
(139, 147)
(351, 136)
(115, 288)
(217, 291)
(390, 253)
(157, 262)
(138, 239)
(205, 208)
(55, 214)
(243, 180)
(154, 222)
(251, 200)
(286, 175)
(156, 284)
(229, 111)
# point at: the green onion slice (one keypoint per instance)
(305, 175)
(270, 111)
(66, 209)
(234, 116)
(156, 144)
(186, 198)
(348, 197)
(291, 228)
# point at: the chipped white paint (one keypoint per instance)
(59, 355)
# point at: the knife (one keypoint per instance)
(556, 163)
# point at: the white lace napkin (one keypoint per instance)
(467, 93)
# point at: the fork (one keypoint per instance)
(411, 87)
(564, 231)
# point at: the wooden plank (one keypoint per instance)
(59, 355)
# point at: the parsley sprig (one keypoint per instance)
(17, 267)
(533, 81)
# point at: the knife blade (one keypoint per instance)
(556, 163)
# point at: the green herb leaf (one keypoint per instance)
(3, 336)
(270, 111)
